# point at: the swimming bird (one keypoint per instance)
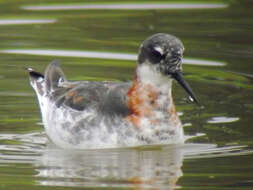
(90, 114)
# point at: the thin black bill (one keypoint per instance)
(178, 76)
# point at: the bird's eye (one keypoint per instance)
(157, 55)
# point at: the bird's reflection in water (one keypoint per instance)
(146, 167)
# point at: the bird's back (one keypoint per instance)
(105, 97)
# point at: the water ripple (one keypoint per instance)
(124, 6)
(26, 21)
(223, 119)
(100, 55)
(146, 166)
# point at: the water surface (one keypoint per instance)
(102, 44)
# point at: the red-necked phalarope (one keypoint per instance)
(87, 114)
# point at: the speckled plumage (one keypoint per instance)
(88, 114)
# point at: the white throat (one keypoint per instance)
(147, 74)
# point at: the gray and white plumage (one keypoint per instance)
(88, 114)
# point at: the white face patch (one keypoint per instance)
(159, 49)
(149, 75)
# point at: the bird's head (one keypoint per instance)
(163, 54)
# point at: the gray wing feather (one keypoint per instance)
(105, 97)
(80, 97)
(53, 75)
(115, 102)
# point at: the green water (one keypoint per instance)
(218, 157)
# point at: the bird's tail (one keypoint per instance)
(36, 81)
(48, 83)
